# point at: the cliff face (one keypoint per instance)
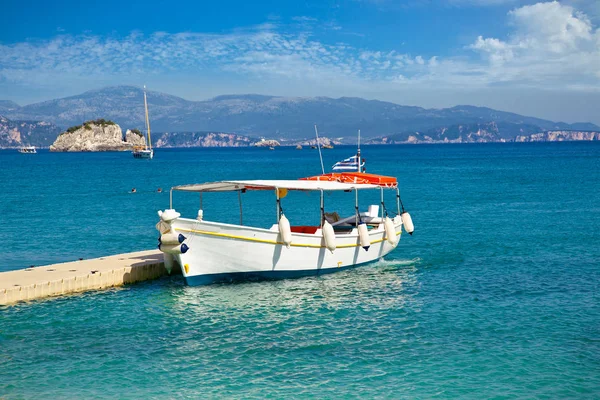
(559, 136)
(323, 141)
(134, 138)
(267, 143)
(202, 139)
(24, 133)
(92, 137)
(485, 133)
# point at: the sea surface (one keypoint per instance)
(496, 295)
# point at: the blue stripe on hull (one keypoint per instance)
(262, 275)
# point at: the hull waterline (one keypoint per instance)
(224, 253)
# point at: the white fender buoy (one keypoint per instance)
(169, 260)
(329, 236)
(285, 231)
(407, 222)
(163, 227)
(363, 235)
(390, 231)
(169, 215)
(174, 249)
(171, 238)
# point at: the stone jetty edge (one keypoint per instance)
(80, 276)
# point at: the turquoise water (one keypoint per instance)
(496, 295)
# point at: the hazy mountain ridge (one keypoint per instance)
(265, 116)
(287, 119)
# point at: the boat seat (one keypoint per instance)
(370, 217)
(305, 229)
(351, 220)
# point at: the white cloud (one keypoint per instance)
(261, 51)
(552, 44)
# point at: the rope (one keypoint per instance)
(400, 199)
(385, 211)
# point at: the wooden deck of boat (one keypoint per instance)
(79, 276)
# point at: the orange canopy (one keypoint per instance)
(356, 177)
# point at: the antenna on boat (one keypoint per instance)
(319, 147)
(358, 153)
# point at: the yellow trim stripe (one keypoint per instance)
(249, 239)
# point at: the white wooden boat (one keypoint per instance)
(210, 251)
(145, 151)
(28, 150)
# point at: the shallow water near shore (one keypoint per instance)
(497, 294)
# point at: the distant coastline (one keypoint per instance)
(245, 119)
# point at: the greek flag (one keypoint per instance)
(348, 165)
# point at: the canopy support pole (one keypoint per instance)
(171, 198)
(357, 215)
(278, 204)
(398, 200)
(322, 209)
(382, 204)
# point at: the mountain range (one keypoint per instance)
(284, 118)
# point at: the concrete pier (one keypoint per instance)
(80, 276)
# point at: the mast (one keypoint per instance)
(149, 145)
(319, 147)
(358, 152)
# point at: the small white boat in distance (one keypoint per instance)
(210, 251)
(27, 150)
(145, 151)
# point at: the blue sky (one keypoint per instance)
(534, 58)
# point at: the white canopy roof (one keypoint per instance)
(228, 186)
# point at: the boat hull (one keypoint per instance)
(148, 154)
(222, 252)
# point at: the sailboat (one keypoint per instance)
(351, 164)
(145, 151)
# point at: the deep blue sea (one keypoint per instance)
(497, 294)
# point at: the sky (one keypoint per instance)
(535, 58)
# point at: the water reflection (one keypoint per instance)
(380, 285)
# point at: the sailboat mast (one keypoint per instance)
(358, 152)
(147, 120)
(319, 147)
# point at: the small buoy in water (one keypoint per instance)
(159, 190)
(285, 231)
(133, 190)
(363, 235)
(407, 222)
(390, 231)
(329, 236)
